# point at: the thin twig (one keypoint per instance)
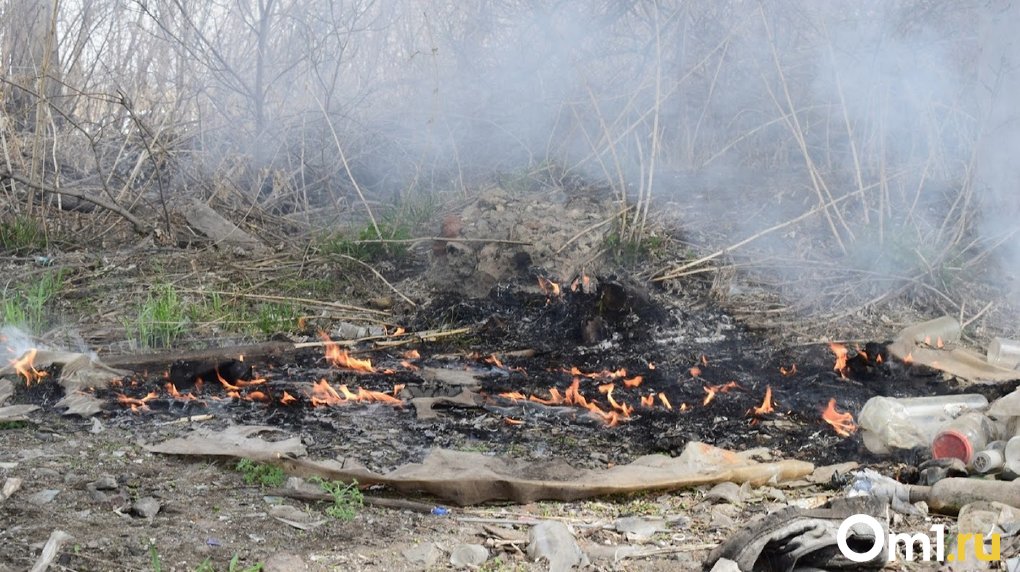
(380, 277)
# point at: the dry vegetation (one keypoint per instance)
(345, 120)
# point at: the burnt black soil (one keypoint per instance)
(680, 346)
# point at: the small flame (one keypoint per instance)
(841, 356)
(939, 343)
(171, 389)
(398, 332)
(494, 360)
(704, 360)
(633, 382)
(26, 368)
(549, 288)
(909, 359)
(842, 423)
(137, 405)
(667, 404)
(512, 422)
(324, 394)
(648, 400)
(766, 404)
(412, 354)
(340, 358)
(788, 372)
(694, 371)
(287, 398)
(712, 390)
(604, 374)
(651, 366)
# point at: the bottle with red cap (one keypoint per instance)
(965, 436)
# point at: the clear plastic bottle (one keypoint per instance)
(904, 423)
(1004, 353)
(964, 437)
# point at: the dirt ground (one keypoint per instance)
(94, 479)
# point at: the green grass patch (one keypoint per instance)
(10, 425)
(29, 307)
(21, 235)
(260, 473)
(347, 498)
(353, 246)
(161, 318)
(627, 251)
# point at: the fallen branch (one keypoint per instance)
(398, 504)
(140, 227)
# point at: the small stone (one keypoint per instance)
(105, 483)
(97, 496)
(146, 507)
(728, 492)
(284, 562)
(44, 473)
(469, 555)
(43, 497)
(424, 555)
(638, 529)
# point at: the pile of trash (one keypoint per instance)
(972, 475)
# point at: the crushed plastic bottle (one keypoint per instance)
(889, 423)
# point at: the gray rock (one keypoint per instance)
(469, 555)
(424, 555)
(105, 483)
(637, 528)
(44, 473)
(146, 507)
(553, 542)
(285, 562)
(43, 497)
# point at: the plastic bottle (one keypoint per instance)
(904, 423)
(1012, 453)
(1004, 353)
(991, 459)
(948, 496)
(964, 437)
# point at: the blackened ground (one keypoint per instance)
(680, 346)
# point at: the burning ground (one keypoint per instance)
(539, 350)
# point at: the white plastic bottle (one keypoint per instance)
(889, 423)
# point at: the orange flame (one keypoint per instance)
(766, 404)
(842, 423)
(841, 357)
(788, 372)
(136, 405)
(549, 288)
(172, 390)
(648, 400)
(412, 354)
(909, 359)
(287, 398)
(604, 374)
(633, 382)
(712, 390)
(695, 371)
(494, 360)
(323, 394)
(25, 368)
(340, 358)
(572, 396)
(665, 402)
